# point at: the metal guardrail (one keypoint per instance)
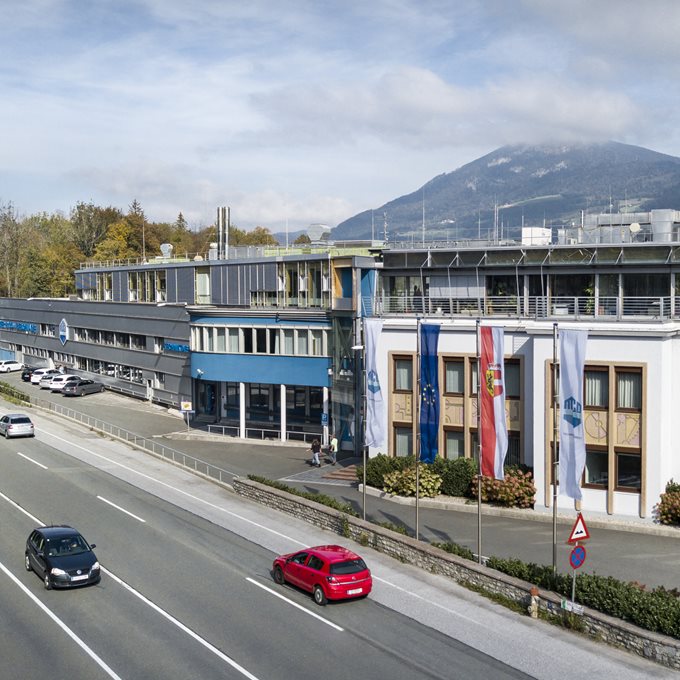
(149, 445)
(263, 433)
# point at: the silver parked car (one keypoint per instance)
(16, 425)
(77, 388)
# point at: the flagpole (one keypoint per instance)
(479, 448)
(554, 449)
(418, 440)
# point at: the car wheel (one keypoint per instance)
(27, 563)
(319, 596)
(47, 583)
(278, 575)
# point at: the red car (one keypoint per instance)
(330, 572)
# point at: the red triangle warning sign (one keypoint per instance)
(579, 531)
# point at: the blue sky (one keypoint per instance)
(302, 112)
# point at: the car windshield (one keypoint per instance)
(70, 545)
(348, 567)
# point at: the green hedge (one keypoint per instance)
(656, 610)
(14, 393)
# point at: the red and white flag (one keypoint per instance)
(492, 388)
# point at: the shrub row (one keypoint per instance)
(457, 477)
(14, 393)
(657, 610)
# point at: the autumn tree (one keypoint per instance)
(89, 224)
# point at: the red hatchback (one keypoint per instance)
(330, 572)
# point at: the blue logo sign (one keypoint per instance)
(573, 412)
(372, 382)
(63, 332)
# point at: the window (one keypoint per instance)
(454, 377)
(288, 340)
(403, 375)
(597, 388)
(233, 340)
(315, 563)
(596, 472)
(247, 340)
(220, 341)
(203, 286)
(514, 454)
(512, 381)
(628, 390)
(303, 343)
(317, 342)
(628, 472)
(455, 444)
(261, 340)
(403, 441)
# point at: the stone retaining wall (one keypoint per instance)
(659, 648)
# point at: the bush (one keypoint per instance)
(381, 465)
(403, 482)
(517, 490)
(455, 549)
(667, 510)
(457, 475)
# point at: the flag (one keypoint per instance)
(375, 407)
(492, 388)
(572, 452)
(429, 392)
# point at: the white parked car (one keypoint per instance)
(10, 365)
(60, 381)
(37, 375)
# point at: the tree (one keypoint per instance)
(89, 224)
(10, 250)
(302, 240)
(120, 242)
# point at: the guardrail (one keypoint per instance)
(149, 445)
(263, 433)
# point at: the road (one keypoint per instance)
(627, 555)
(186, 590)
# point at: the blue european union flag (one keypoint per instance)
(429, 392)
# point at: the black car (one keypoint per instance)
(61, 557)
(27, 372)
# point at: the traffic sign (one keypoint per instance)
(577, 557)
(579, 531)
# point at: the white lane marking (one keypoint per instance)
(98, 660)
(35, 462)
(180, 491)
(249, 521)
(113, 505)
(295, 604)
(146, 601)
(181, 626)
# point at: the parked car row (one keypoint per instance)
(69, 384)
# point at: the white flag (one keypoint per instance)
(375, 407)
(572, 435)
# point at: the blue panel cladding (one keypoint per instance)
(262, 368)
(346, 282)
(368, 285)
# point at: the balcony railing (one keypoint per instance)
(531, 307)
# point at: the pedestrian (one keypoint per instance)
(333, 449)
(316, 450)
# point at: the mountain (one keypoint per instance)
(528, 184)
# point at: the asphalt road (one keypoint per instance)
(634, 555)
(186, 590)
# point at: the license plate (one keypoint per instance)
(355, 591)
(79, 578)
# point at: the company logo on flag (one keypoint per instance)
(494, 435)
(573, 412)
(572, 439)
(372, 382)
(429, 392)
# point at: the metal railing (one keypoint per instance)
(149, 445)
(263, 433)
(534, 307)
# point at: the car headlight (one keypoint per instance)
(57, 572)
(95, 567)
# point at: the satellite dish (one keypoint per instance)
(634, 228)
(166, 249)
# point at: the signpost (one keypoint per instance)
(577, 557)
(186, 407)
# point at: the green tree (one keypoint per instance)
(89, 224)
(120, 242)
(302, 240)
(10, 250)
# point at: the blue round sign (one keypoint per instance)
(577, 557)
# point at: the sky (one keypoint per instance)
(300, 112)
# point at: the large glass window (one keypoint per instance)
(233, 340)
(628, 390)
(403, 441)
(454, 372)
(597, 388)
(597, 468)
(512, 382)
(403, 375)
(288, 341)
(455, 444)
(628, 471)
(302, 343)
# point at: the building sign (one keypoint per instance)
(63, 332)
(19, 326)
(175, 347)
